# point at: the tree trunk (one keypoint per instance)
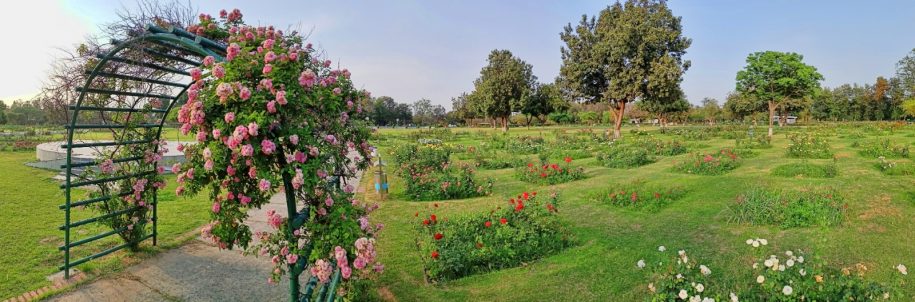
(529, 119)
(504, 124)
(619, 120)
(493, 123)
(771, 115)
(783, 119)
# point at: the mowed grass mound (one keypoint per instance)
(610, 239)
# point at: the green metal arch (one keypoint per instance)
(173, 38)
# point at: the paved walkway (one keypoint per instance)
(197, 271)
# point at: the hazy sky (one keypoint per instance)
(435, 49)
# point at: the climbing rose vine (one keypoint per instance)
(273, 110)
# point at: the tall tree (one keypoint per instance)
(777, 79)
(665, 108)
(503, 85)
(541, 102)
(710, 110)
(628, 52)
(2, 113)
(425, 113)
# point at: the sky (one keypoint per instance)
(416, 49)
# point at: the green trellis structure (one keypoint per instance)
(166, 55)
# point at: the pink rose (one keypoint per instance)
(230, 117)
(267, 68)
(244, 94)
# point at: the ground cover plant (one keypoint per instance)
(522, 230)
(788, 209)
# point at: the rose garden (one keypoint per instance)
(564, 206)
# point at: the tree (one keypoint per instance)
(541, 102)
(462, 108)
(778, 79)
(2, 113)
(628, 52)
(503, 85)
(908, 107)
(710, 110)
(385, 112)
(424, 113)
(25, 113)
(664, 108)
(738, 106)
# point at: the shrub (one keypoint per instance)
(624, 156)
(637, 195)
(787, 276)
(760, 206)
(526, 229)
(447, 183)
(658, 147)
(547, 173)
(492, 160)
(884, 148)
(894, 168)
(414, 157)
(518, 145)
(754, 142)
(709, 163)
(806, 169)
(808, 146)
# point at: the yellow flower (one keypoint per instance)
(819, 278)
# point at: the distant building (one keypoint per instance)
(788, 120)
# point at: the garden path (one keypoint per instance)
(197, 271)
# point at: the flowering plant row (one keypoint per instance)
(638, 195)
(429, 175)
(625, 156)
(785, 276)
(884, 148)
(519, 144)
(271, 114)
(525, 229)
(547, 173)
(716, 163)
(895, 168)
(760, 206)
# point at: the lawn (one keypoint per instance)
(601, 264)
(29, 218)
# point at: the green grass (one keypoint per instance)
(29, 218)
(601, 267)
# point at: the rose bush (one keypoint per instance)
(640, 196)
(526, 229)
(550, 173)
(271, 113)
(429, 175)
(709, 163)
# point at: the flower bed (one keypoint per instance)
(526, 229)
(709, 163)
(806, 169)
(895, 168)
(788, 209)
(447, 183)
(659, 147)
(637, 195)
(779, 276)
(625, 156)
(884, 148)
(489, 159)
(547, 173)
(808, 146)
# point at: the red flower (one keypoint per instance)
(708, 158)
(525, 196)
(542, 175)
(534, 193)
(433, 217)
(438, 236)
(487, 224)
(512, 201)
(634, 197)
(426, 222)
(519, 207)
(416, 214)
(554, 166)
(550, 207)
(530, 165)
(434, 254)
(657, 195)
(567, 159)
(503, 221)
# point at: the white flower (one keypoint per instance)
(681, 253)
(902, 269)
(755, 265)
(886, 296)
(734, 298)
(679, 276)
(683, 294)
(661, 248)
(768, 262)
(800, 259)
(787, 290)
(750, 241)
(705, 270)
(790, 263)
(781, 267)
(707, 299)
(651, 287)
(803, 272)
(700, 288)
(789, 253)
(755, 243)
(760, 279)
(695, 298)
(763, 241)
(640, 264)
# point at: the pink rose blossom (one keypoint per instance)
(245, 200)
(219, 71)
(208, 61)
(263, 185)
(195, 74)
(252, 129)
(107, 166)
(281, 97)
(294, 139)
(230, 117)
(216, 207)
(292, 258)
(267, 147)
(223, 91)
(307, 78)
(338, 91)
(269, 57)
(299, 156)
(271, 106)
(267, 69)
(247, 150)
(244, 93)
